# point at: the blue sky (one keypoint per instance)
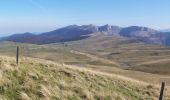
(17, 16)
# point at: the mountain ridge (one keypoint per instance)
(75, 32)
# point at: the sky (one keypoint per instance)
(19, 16)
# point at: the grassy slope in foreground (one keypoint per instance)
(39, 79)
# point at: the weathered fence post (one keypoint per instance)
(162, 91)
(17, 55)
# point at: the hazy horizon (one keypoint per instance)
(18, 16)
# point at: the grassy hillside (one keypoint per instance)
(158, 66)
(71, 56)
(40, 79)
(59, 53)
(128, 53)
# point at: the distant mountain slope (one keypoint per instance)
(25, 37)
(165, 30)
(74, 32)
(143, 34)
(136, 31)
(69, 33)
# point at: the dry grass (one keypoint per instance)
(36, 79)
(157, 66)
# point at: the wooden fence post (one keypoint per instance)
(17, 55)
(162, 91)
